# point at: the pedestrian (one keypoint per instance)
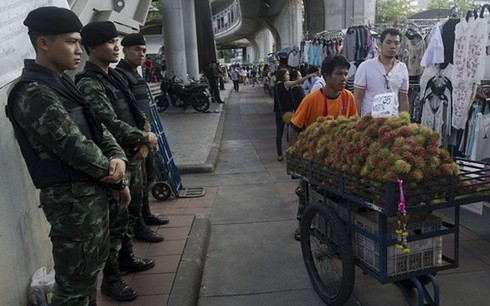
(253, 76)
(283, 103)
(308, 84)
(235, 77)
(297, 91)
(114, 104)
(212, 74)
(71, 158)
(147, 67)
(332, 100)
(134, 50)
(382, 74)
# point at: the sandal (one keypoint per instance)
(279, 157)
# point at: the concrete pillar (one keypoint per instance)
(205, 36)
(191, 54)
(289, 26)
(173, 25)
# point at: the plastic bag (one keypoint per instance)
(385, 105)
(42, 287)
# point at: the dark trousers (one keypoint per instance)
(235, 85)
(213, 87)
(279, 133)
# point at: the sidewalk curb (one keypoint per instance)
(187, 282)
(212, 159)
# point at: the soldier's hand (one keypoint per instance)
(117, 168)
(124, 197)
(152, 138)
(142, 152)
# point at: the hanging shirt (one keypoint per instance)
(434, 54)
(481, 146)
(436, 109)
(293, 58)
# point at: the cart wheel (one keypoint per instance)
(161, 191)
(327, 254)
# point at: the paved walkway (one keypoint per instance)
(252, 258)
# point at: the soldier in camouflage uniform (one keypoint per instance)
(134, 49)
(115, 106)
(71, 158)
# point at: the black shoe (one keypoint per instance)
(152, 219)
(221, 102)
(297, 234)
(133, 264)
(118, 290)
(146, 234)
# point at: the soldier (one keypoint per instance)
(134, 49)
(71, 158)
(108, 94)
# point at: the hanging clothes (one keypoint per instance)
(412, 48)
(293, 58)
(436, 106)
(434, 54)
(315, 53)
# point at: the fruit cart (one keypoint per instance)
(351, 221)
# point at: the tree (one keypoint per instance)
(393, 10)
(464, 5)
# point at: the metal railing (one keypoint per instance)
(227, 20)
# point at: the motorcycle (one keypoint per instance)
(180, 95)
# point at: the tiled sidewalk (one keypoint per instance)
(154, 286)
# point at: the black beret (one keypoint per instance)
(52, 20)
(98, 32)
(134, 39)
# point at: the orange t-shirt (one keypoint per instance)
(313, 106)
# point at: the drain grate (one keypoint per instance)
(194, 192)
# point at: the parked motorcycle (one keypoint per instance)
(180, 95)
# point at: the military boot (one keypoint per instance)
(114, 287)
(128, 263)
(148, 217)
(144, 233)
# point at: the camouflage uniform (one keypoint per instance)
(129, 133)
(66, 155)
(138, 87)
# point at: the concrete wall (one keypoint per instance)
(24, 241)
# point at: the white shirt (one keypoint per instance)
(434, 54)
(370, 76)
(320, 83)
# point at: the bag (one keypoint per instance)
(42, 287)
(385, 105)
(286, 117)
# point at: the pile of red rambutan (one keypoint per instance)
(383, 149)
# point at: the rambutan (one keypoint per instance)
(400, 166)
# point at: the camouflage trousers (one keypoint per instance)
(148, 173)
(122, 221)
(79, 219)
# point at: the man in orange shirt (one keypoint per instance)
(331, 100)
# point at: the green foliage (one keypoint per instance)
(464, 5)
(388, 11)
(154, 15)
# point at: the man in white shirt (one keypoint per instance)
(320, 83)
(382, 74)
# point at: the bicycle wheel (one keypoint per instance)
(327, 254)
